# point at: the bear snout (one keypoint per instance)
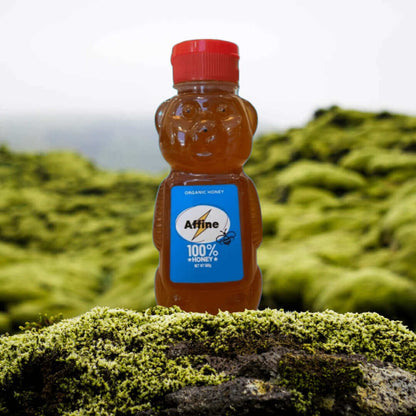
(204, 127)
(204, 132)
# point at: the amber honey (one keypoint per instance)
(207, 222)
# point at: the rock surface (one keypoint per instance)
(163, 361)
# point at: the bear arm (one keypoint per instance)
(158, 217)
(255, 214)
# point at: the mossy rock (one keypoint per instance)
(279, 155)
(401, 213)
(371, 289)
(165, 362)
(295, 275)
(54, 303)
(5, 323)
(299, 223)
(320, 175)
(376, 161)
(359, 159)
(132, 283)
(291, 280)
(271, 215)
(392, 161)
(338, 247)
(45, 284)
(66, 228)
(403, 262)
(405, 236)
(9, 254)
(313, 196)
(58, 165)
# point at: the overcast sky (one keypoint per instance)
(113, 56)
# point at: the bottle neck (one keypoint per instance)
(206, 87)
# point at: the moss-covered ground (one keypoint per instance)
(120, 362)
(339, 211)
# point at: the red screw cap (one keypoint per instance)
(205, 60)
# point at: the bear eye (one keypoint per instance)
(188, 111)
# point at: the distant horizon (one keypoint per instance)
(264, 126)
(122, 141)
(45, 116)
(116, 141)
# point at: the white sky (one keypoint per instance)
(113, 56)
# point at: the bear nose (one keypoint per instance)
(205, 126)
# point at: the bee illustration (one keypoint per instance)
(226, 238)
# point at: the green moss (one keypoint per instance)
(371, 289)
(324, 175)
(338, 247)
(359, 159)
(57, 165)
(43, 321)
(345, 199)
(375, 161)
(313, 196)
(290, 278)
(298, 273)
(117, 361)
(42, 277)
(5, 324)
(271, 215)
(401, 213)
(394, 160)
(317, 377)
(66, 230)
(299, 223)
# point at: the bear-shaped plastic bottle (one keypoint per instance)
(207, 223)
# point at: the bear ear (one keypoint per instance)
(160, 113)
(252, 115)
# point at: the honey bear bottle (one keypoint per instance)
(207, 222)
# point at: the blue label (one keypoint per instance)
(205, 235)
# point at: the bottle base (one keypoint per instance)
(209, 300)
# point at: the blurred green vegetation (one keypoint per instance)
(72, 236)
(339, 213)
